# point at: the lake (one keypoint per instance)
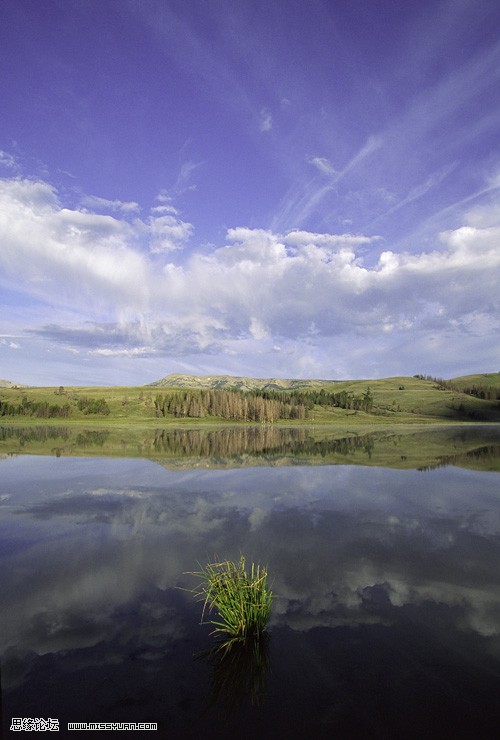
(383, 551)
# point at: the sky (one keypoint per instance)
(267, 188)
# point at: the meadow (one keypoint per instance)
(398, 400)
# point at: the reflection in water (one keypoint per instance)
(487, 457)
(257, 441)
(228, 442)
(387, 585)
(238, 676)
(25, 435)
(428, 447)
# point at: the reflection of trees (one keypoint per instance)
(264, 444)
(92, 438)
(239, 675)
(229, 442)
(83, 439)
(482, 455)
(255, 441)
(265, 441)
(35, 434)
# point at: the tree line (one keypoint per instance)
(342, 399)
(231, 405)
(257, 406)
(93, 405)
(46, 410)
(39, 409)
(485, 392)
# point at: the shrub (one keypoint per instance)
(93, 406)
(241, 600)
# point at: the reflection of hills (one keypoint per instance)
(245, 446)
(483, 458)
(471, 446)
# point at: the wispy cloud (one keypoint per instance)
(95, 202)
(8, 162)
(418, 191)
(305, 196)
(372, 144)
(324, 166)
(9, 343)
(184, 179)
(300, 202)
(266, 120)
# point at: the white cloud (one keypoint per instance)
(163, 196)
(266, 121)
(66, 257)
(258, 291)
(96, 203)
(257, 329)
(323, 165)
(183, 182)
(162, 210)
(8, 162)
(331, 240)
(133, 352)
(168, 232)
(10, 344)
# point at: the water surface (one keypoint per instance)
(386, 622)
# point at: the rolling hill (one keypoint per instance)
(9, 384)
(231, 382)
(392, 400)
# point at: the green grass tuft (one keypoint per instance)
(242, 600)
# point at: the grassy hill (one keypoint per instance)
(395, 400)
(393, 397)
(231, 382)
(9, 384)
(480, 380)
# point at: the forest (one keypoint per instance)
(264, 406)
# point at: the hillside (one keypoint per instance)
(231, 382)
(393, 397)
(480, 380)
(9, 384)
(195, 399)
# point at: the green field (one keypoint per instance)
(486, 379)
(399, 400)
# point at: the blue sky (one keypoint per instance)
(275, 189)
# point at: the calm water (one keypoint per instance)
(386, 622)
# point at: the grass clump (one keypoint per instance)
(242, 600)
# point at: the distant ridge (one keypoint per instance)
(9, 384)
(224, 382)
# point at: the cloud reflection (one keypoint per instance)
(346, 546)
